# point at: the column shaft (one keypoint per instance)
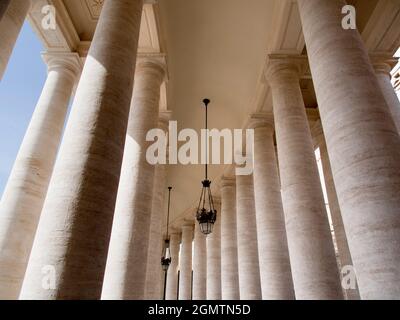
(127, 257)
(312, 256)
(214, 258)
(185, 264)
(199, 265)
(276, 276)
(363, 146)
(27, 185)
(171, 292)
(249, 270)
(74, 229)
(10, 27)
(229, 254)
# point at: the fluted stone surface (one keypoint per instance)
(275, 272)
(185, 264)
(363, 146)
(229, 255)
(27, 185)
(249, 270)
(312, 256)
(10, 27)
(127, 257)
(75, 224)
(199, 265)
(171, 291)
(214, 258)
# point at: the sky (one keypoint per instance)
(20, 89)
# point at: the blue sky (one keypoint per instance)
(20, 89)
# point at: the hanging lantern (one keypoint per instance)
(206, 214)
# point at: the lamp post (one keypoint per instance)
(166, 258)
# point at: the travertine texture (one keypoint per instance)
(171, 291)
(275, 273)
(214, 258)
(127, 256)
(10, 27)
(312, 256)
(337, 222)
(382, 71)
(27, 185)
(249, 271)
(75, 224)
(199, 265)
(185, 264)
(154, 273)
(3, 7)
(363, 146)
(229, 256)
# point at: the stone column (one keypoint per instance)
(336, 216)
(249, 270)
(199, 265)
(382, 68)
(312, 255)
(363, 146)
(126, 262)
(10, 27)
(26, 189)
(229, 255)
(275, 273)
(72, 239)
(185, 264)
(214, 258)
(171, 292)
(154, 273)
(3, 7)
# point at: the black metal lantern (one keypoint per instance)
(206, 214)
(166, 258)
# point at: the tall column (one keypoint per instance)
(3, 7)
(337, 222)
(27, 185)
(171, 291)
(10, 27)
(127, 256)
(214, 258)
(199, 265)
(154, 272)
(229, 254)
(312, 255)
(275, 273)
(249, 270)
(185, 264)
(382, 68)
(74, 230)
(363, 146)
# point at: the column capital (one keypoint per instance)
(383, 64)
(66, 61)
(262, 120)
(154, 62)
(285, 67)
(227, 182)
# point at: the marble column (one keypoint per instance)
(275, 272)
(229, 255)
(3, 7)
(171, 291)
(344, 256)
(248, 265)
(27, 185)
(154, 272)
(10, 27)
(363, 146)
(382, 68)
(312, 255)
(126, 262)
(185, 264)
(199, 265)
(214, 258)
(69, 253)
